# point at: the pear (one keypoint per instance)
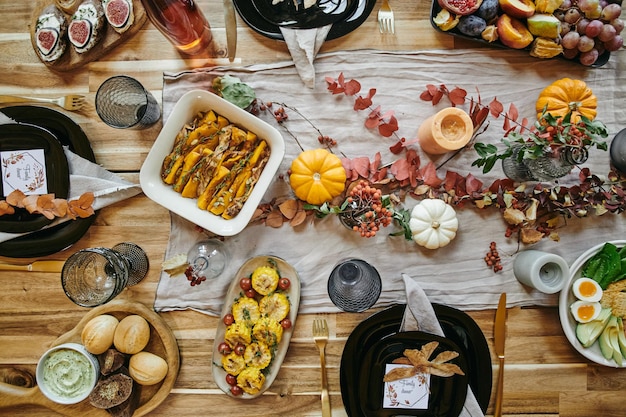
(544, 25)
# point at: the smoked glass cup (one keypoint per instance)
(354, 285)
(122, 102)
(95, 276)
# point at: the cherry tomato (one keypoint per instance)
(285, 323)
(240, 349)
(245, 283)
(250, 293)
(224, 348)
(284, 283)
(231, 380)
(229, 319)
(236, 390)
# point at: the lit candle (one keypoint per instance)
(448, 130)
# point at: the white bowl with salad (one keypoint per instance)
(598, 332)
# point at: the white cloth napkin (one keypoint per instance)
(303, 46)
(420, 315)
(86, 176)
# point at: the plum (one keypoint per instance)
(471, 25)
(488, 10)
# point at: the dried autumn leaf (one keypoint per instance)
(274, 219)
(15, 198)
(362, 166)
(289, 208)
(530, 236)
(298, 219)
(513, 216)
(496, 108)
(457, 96)
(30, 203)
(6, 208)
(82, 207)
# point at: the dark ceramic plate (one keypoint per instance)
(446, 394)
(53, 239)
(436, 8)
(293, 14)
(460, 328)
(360, 12)
(31, 172)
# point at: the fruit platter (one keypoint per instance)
(583, 31)
(258, 317)
(591, 305)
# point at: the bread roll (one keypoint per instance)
(132, 334)
(147, 368)
(97, 335)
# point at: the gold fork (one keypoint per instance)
(385, 18)
(69, 102)
(320, 335)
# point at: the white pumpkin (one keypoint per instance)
(433, 223)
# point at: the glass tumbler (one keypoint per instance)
(122, 102)
(94, 276)
(354, 285)
(208, 258)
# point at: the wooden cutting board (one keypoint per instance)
(162, 343)
(110, 39)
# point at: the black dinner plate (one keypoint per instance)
(53, 239)
(353, 20)
(17, 140)
(293, 14)
(446, 394)
(457, 326)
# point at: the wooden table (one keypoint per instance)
(544, 375)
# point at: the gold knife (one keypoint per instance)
(230, 21)
(499, 335)
(35, 266)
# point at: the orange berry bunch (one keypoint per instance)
(370, 212)
(492, 258)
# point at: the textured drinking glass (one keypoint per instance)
(208, 258)
(122, 102)
(354, 285)
(94, 276)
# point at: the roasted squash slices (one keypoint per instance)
(215, 162)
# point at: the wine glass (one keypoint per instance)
(354, 285)
(94, 276)
(208, 258)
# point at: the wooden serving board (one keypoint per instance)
(110, 38)
(162, 343)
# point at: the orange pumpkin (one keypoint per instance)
(567, 95)
(317, 176)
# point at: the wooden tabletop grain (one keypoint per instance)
(544, 376)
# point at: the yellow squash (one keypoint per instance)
(567, 95)
(317, 176)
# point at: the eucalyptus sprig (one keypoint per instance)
(548, 136)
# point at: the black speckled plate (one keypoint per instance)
(53, 239)
(296, 14)
(17, 141)
(458, 327)
(249, 14)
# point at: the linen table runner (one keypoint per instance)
(455, 275)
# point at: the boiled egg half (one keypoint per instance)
(586, 289)
(585, 311)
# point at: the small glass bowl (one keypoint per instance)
(208, 258)
(77, 369)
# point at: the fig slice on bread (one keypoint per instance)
(86, 27)
(50, 34)
(119, 14)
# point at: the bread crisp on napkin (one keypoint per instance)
(303, 46)
(420, 315)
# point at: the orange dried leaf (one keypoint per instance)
(30, 203)
(15, 198)
(298, 219)
(274, 219)
(289, 208)
(6, 208)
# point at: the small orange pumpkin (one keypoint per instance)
(317, 176)
(567, 95)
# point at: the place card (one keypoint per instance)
(24, 171)
(408, 393)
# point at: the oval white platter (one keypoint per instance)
(234, 292)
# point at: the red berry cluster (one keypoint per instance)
(492, 259)
(193, 278)
(372, 214)
(326, 140)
